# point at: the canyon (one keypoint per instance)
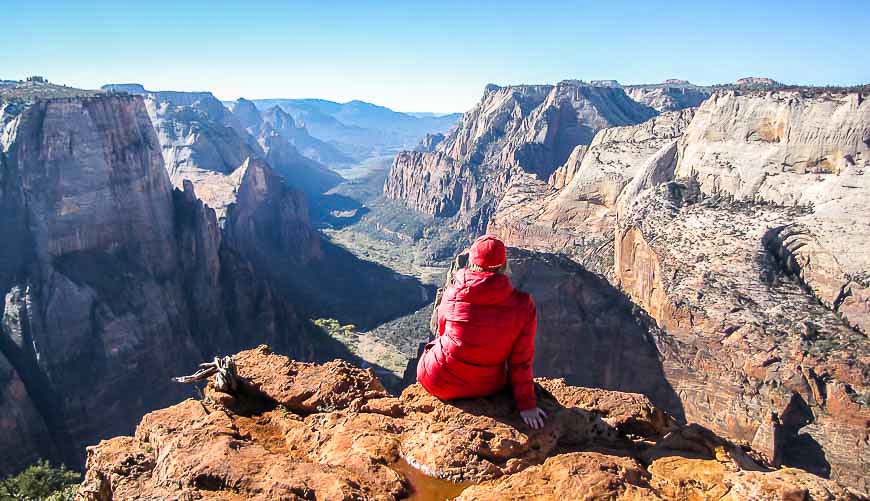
(736, 228)
(698, 257)
(105, 265)
(125, 238)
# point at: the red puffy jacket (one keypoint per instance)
(486, 331)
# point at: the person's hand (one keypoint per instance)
(534, 418)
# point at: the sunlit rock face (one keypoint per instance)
(669, 96)
(111, 280)
(576, 211)
(740, 228)
(787, 148)
(297, 431)
(513, 130)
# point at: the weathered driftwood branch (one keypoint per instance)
(226, 378)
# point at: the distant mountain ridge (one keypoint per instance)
(361, 129)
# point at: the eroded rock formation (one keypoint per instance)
(575, 213)
(285, 146)
(302, 431)
(669, 96)
(513, 130)
(788, 149)
(742, 341)
(741, 229)
(103, 267)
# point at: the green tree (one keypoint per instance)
(40, 481)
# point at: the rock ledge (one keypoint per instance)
(331, 431)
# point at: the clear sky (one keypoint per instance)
(428, 56)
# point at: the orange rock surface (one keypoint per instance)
(304, 431)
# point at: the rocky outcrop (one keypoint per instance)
(743, 341)
(739, 229)
(757, 82)
(513, 130)
(429, 143)
(268, 223)
(575, 213)
(302, 431)
(788, 149)
(669, 96)
(104, 266)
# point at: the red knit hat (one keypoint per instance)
(488, 252)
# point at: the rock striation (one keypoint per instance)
(740, 228)
(575, 212)
(750, 354)
(303, 431)
(671, 95)
(784, 148)
(514, 130)
(103, 266)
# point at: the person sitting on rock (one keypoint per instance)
(485, 335)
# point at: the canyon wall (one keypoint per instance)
(513, 130)
(575, 212)
(668, 97)
(104, 268)
(738, 230)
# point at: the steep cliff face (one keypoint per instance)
(575, 213)
(105, 266)
(740, 229)
(513, 130)
(668, 96)
(269, 223)
(303, 431)
(789, 149)
(583, 322)
(743, 341)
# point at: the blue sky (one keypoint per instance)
(428, 56)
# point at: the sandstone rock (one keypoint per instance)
(104, 267)
(789, 149)
(305, 387)
(575, 475)
(563, 175)
(671, 95)
(251, 447)
(741, 337)
(528, 128)
(757, 81)
(723, 259)
(429, 143)
(580, 217)
(22, 427)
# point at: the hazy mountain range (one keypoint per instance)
(360, 129)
